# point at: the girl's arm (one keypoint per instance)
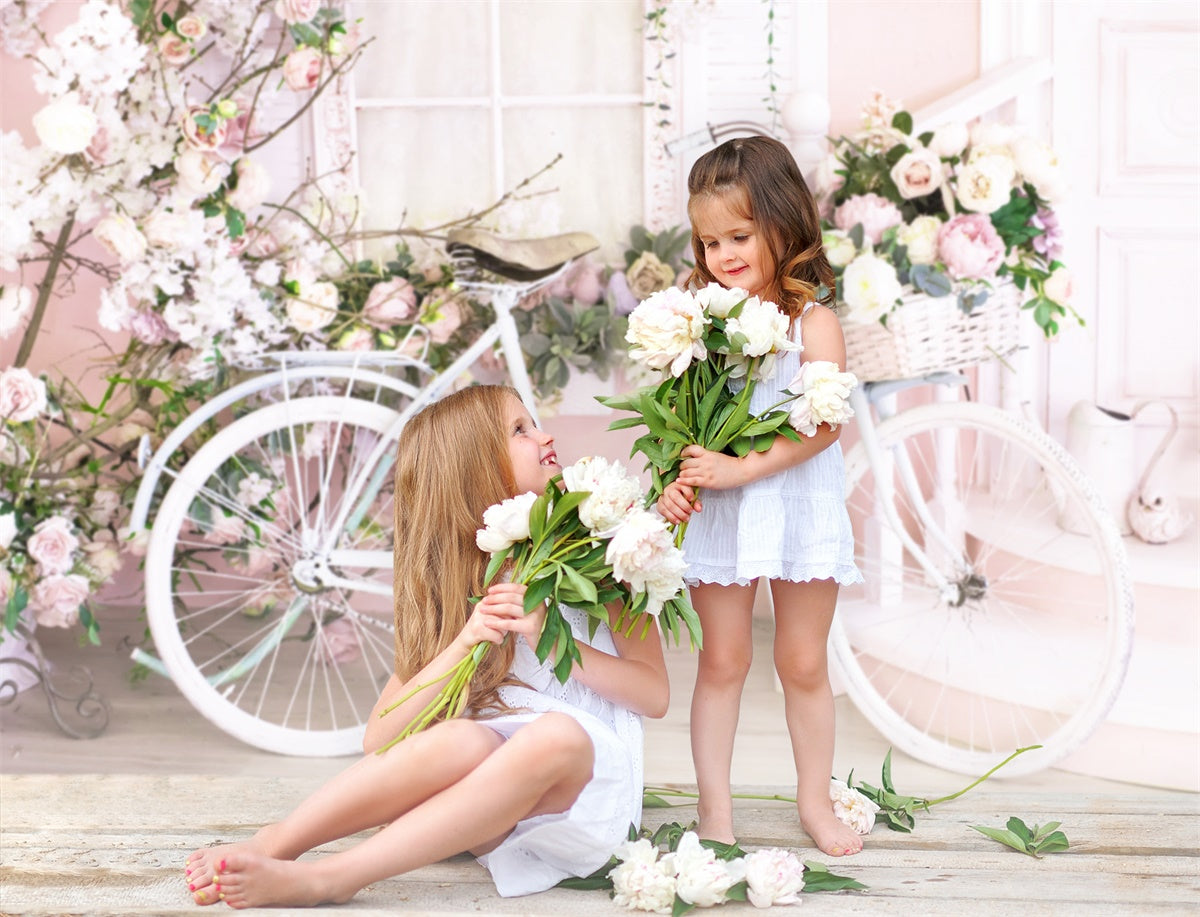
(637, 678)
(499, 613)
(823, 340)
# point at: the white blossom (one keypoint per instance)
(613, 492)
(505, 523)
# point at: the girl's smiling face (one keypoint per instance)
(530, 449)
(735, 251)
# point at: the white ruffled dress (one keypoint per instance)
(543, 850)
(791, 525)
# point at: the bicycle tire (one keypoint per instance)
(1033, 650)
(242, 632)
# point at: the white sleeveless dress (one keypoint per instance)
(791, 525)
(543, 850)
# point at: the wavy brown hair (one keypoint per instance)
(452, 463)
(758, 177)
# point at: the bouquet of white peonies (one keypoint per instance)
(587, 542)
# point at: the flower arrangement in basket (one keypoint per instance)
(937, 239)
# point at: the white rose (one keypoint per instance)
(1059, 286)
(8, 529)
(852, 808)
(314, 308)
(53, 545)
(917, 173)
(667, 331)
(824, 394)
(199, 174)
(56, 600)
(920, 238)
(612, 492)
(165, 229)
(984, 184)
(65, 126)
(717, 301)
(642, 553)
(505, 523)
(773, 877)
(117, 233)
(175, 51)
(870, 287)
(949, 140)
(295, 11)
(22, 395)
(302, 69)
(1038, 164)
(700, 878)
(253, 185)
(15, 301)
(191, 27)
(135, 542)
(839, 247)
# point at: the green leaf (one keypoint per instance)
(1021, 830)
(538, 592)
(903, 122)
(16, 604)
(680, 907)
(1053, 843)
(1003, 836)
(818, 878)
(584, 588)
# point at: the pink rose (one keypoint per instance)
(357, 338)
(302, 69)
(22, 395)
(873, 212)
(174, 50)
(294, 11)
(56, 600)
(917, 173)
(241, 129)
(586, 286)
(339, 642)
(149, 328)
(390, 302)
(445, 321)
(207, 134)
(970, 247)
(53, 545)
(191, 27)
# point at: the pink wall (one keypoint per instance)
(912, 50)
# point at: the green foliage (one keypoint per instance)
(1034, 842)
(818, 878)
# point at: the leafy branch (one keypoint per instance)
(1033, 842)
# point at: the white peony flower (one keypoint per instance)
(852, 808)
(1038, 164)
(920, 238)
(15, 302)
(700, 878)
(984, 184)
(642, 553)
(760, 328)
(505, 523)
(773, 876)
(117, 233)
(66, 126)
(870, 288)
(667, 331)
(22, 395)
(839, 247)
(823, 397)
(612, 492)
(717, 301)
(641, 881)
(949, 140)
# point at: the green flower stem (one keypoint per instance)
(451, 698)
(926, 803)
(664, 791)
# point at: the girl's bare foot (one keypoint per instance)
(715, 827)
(250, 879)
(830, 834)
(201, 866)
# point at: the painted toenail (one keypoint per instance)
(222, 866)
(191, 887)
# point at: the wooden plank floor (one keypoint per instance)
(102, 826)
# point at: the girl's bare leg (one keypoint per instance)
(374, 790)
(803, 613)
(726, 617)
(541, 769)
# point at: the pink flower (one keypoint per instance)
(624, 301)
(53, 545)
(389, 303)
(56, 600)
(206, 134)
(226, 530)
(873, 212)
(445, 321)
(302, 69)
(339, 642)
(22, 395)
(294, 11)
(174, 50)
(970, 247)
(586, 286)
(262, 243)
(191, 27)
(149, 328)
(97, 150)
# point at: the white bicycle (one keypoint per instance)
(268, 574)
(984, 624)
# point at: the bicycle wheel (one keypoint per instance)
(1028, 642)
(273, 615)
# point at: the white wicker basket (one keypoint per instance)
(927, 334)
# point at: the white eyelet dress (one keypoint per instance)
(791, 525)
(543, 850)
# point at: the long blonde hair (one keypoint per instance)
(452, 463)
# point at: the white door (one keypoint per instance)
(1126, 103)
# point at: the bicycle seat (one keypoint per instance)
(519, 259)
